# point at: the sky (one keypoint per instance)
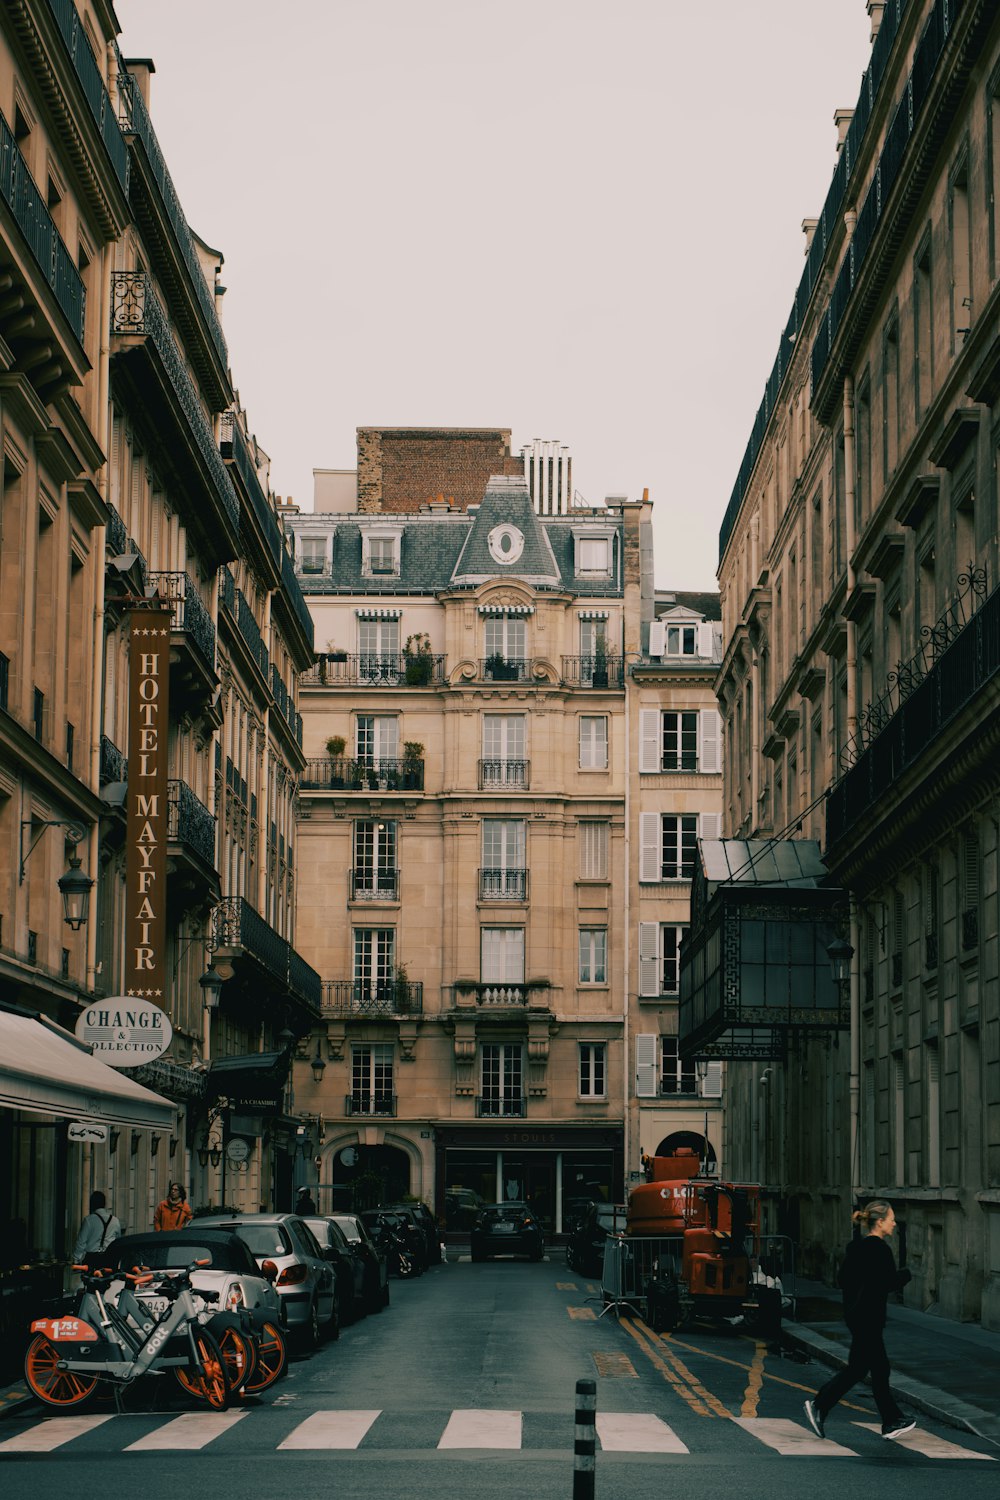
(576, 219)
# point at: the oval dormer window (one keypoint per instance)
(506, 544)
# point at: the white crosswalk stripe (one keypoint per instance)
(636, 1432)
(789, 1437)
(482, 1429)
(331, 1429)
(195, 1429)
(51, 1434)
(929, 1445)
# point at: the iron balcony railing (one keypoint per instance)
(490, 1108)
(960, 672)
(188, 611)
(501, 994)
(372, 997)
(234, 446)
(36, 224)
(134, 118)
(246, 623)
(135, 309)
(113, 764)
(503, 885)
(504, 774)
(344, 773)
(593, 671)
(370, 1104)
(235, 924)
(190, 822)
(392, 669)
(504, 669)
(293, 596)
(227, 590)
(116, 535)
(67, 19)
(374, 885)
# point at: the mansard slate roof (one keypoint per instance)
(444, 551)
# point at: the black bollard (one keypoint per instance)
(584, 1440)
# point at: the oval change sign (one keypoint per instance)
(124, 1031)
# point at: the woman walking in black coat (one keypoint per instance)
(867, 1277)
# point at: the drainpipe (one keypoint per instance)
(627, 931)
(854, 1084)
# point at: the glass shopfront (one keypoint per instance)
(542, 1168)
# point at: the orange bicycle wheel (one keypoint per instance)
(208, 1380)
(240, 1356)
(272, 1359)
(55, 1387)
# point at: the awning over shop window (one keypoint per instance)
(253, 1082)
(46, 1070)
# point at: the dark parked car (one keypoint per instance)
(575, 1210)
(347, 1261)
(376, 1261)
(230, 1272)
(420, 1215)
(385, 1224)
(585, 1246)
(507, 1229)
(305, 1281)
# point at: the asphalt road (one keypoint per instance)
(466, 1386)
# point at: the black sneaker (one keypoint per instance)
(816, 1421)
(896, 1429)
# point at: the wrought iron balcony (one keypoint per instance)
(135, 121)
(188, 612)
(344, 773)
(234, 447)
(242, 933)
(4, 681)
(246, 623)
(392, 669)
(33, 219)
(113, 764)
(504, 774)
(136, 310)
(490, 1108)
(372, 997)
(501, 994)
(593, 671)
(67, 18)
(503, 885)
(189, 822)
(292, 595)
(504, 669)
(370, 1104)
(374, 885)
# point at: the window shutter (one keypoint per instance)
(650, 757)
(650, 862)
(711, 1087)
(649, 958)
(708, 740)
(710, 826)
(705, 640)
(645, 1065)
(657, 638)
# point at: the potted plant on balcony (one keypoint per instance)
(413, 753)
(335, 747)
(401, 990)
(499, 669)
(418, 659)
(334, 653)
(600, 663)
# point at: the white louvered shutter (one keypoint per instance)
(646, 1046)
(649, 958)
(711, 1088)
(650, 747)
(705, 640)
(708, 740)
(710, 826)
(657, 637)
(650, 852)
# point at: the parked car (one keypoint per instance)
(507, 1229)
(420, 1216)
(376, 1261)
(231, 1273)
(574, 1212)
(585, 1246)
(462, 1207)
(305, 1282)
(394, 1232)
(348, 1263)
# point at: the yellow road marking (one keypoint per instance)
(755, 1379)
(565, 1286)
(610, 1365)
(666, 1370)
(582, 1312)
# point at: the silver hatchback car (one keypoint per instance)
(304, 1280)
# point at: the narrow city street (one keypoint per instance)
(467, 1384)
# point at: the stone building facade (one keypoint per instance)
(858, 570)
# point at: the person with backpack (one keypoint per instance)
(99, 1230)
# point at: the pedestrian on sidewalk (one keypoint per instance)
(173, 1211)
(867, 1277)
(99, 1230)
(305, 1203)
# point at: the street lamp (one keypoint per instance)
(211, 987)
(840, 953)
(318, 1063)
(75, 888)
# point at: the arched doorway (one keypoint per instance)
(690, 1138)
(364, 1176)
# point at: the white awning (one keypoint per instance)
(378, 614)
(506, 609)
(593, 614)
(45, 1069)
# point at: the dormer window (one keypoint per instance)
(380, 554)
(681, 640)
(312, 555)
(593, 554)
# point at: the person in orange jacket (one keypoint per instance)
(173, 1211)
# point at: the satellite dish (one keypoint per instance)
(349, 1156)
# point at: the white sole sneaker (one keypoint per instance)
(898, 1431)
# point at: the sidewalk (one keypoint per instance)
(947, 1370)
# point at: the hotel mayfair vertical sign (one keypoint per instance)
(146, 828)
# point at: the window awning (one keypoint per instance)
(46, 1070)
(506, 609)
(593, 614)
(378, 614)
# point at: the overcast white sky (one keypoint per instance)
(577, 219)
